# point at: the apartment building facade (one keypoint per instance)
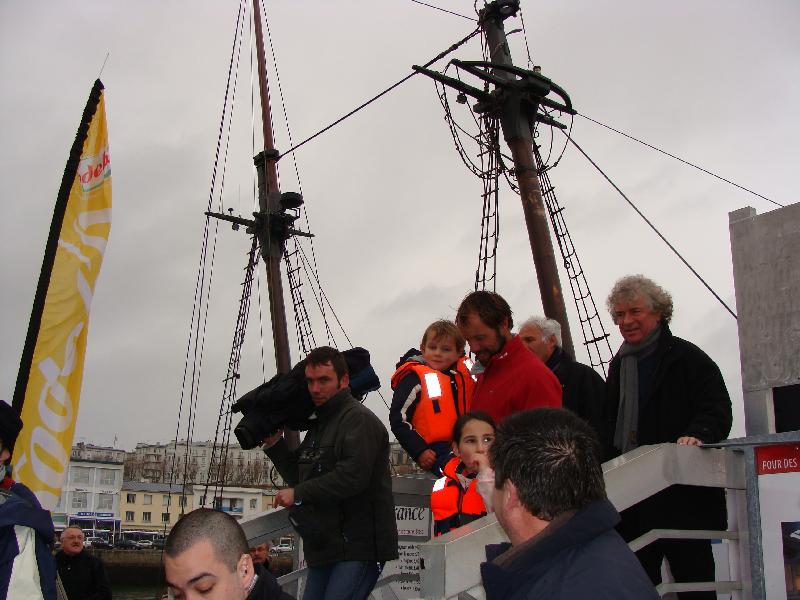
(241, 503)
(179, 462)
(90, 497)
(155, 507)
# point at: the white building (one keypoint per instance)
(239, 502)
(82, 451)
(90, 496)
(174, 462)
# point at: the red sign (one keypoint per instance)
(784, 458)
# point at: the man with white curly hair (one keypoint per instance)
(662, 388)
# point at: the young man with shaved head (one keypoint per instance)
(207, 556)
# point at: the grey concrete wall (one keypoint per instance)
(766, 268)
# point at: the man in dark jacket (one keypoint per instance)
(584, 390)
(27, 568)
(206, 555)
(550, 499)
(83, 575)
(341, 496)
(664, 389)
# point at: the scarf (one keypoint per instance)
(625, 432)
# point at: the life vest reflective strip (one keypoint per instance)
(451, 504)
(436, 411)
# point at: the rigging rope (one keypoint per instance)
(444, 10)
(491, 167)
(592, 328)
(436, 58)
(653, 227)
(197, 327)
(305, 333)
(218, 467)
(678, 158)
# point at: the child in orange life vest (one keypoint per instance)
(455, 499)
(432, 387)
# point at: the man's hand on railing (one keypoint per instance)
(689, 441)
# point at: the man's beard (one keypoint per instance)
(489, 354)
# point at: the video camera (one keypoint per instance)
(284, 400)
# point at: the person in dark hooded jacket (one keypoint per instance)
(27, 569)
(550, 499)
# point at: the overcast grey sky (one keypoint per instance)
(395, 213)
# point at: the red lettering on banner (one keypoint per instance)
(781, 458)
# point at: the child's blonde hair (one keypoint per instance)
(444, 329)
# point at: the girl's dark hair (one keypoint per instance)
(475, 415)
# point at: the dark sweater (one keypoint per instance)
(576, 557)
(84, 576)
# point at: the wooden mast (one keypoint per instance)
(269, 199)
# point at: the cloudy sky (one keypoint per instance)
(395, 213)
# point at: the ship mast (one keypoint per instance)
(517, 127)
(272, 224)
(269, 197)
(515, 100)
(272, 204)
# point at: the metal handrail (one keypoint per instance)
(452, 562)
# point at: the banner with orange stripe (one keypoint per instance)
(47, 394)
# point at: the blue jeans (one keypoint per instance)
(346, 580)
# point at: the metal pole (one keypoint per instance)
(517, 126)
(269, 199)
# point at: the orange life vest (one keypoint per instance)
(452, 504)
(436, 410)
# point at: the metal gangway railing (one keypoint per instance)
(450, 564)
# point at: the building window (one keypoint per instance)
(129, 515)
(148, 498)
(218, 503)
(145, 517)
(164, 500)
(234, 502)
(130, 498)
(79, 500)
(165, 517)
(253, 503)
(80, 475)
(105, 502)
(107, 477)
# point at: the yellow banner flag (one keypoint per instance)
(48, 388)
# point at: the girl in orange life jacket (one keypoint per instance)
(432, 387)
(455, 500)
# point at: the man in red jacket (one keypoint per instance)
(512, 378)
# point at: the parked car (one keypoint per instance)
(97, 542)
(144, 544)
(159, 543)
(126, 544)
(281, 548)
